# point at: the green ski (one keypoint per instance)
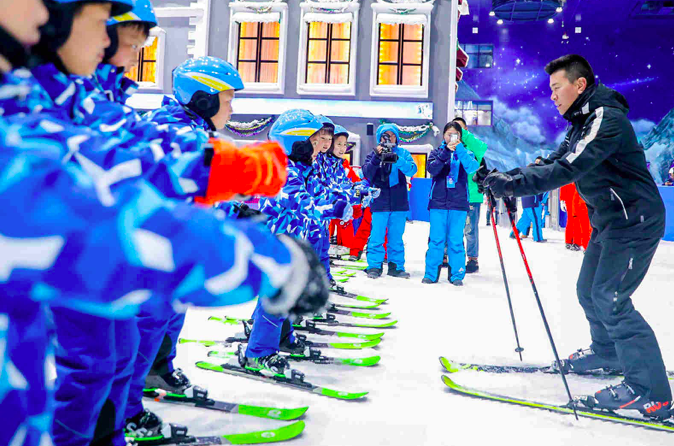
(294, 382)
(315, 358)
(667, 426)
(337, 345)
(203, 401)
(284, 433)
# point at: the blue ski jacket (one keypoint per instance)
(450, 171)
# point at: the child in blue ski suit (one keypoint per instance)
(300, 210)
(152, 246)
(387, 171)
(532, 213)
(88, 156)
(450, 165)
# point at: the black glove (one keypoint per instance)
(246, 212)
(500, 184)
(479, 176)
(302, 152)
(510, 204)
(306, 290)
(389, 157)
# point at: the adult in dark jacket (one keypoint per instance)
(450, 165)
(602, 156)
(389, 210)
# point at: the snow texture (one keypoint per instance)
(408, 404)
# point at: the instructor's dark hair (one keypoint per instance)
(575, 66)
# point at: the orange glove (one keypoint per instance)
(257, 169)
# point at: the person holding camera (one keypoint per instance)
(386, 168)
(450, 165)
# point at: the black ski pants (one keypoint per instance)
(612, 270)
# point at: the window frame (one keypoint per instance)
(476, 56)
(275, 88)
(259, 39)
(326, 89)
(160, 35)
(401, 46)
(460, 109)
(406, 91)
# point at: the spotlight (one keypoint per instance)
(492, 13)
(559, 9)
(551, 21)
(565, 36)
(499, 21)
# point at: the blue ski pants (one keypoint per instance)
(395, 223)
(531, 217)
(94, 364)
(266, 334)
(155, 324)
(324, 248)
(446, 229)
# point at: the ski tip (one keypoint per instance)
(448, 365)
(209, 366)
(448, 382)
(343, 395)
(284, 433)
(273, 412)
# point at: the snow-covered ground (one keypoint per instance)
(408, 404)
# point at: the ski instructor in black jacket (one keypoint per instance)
(602, 156)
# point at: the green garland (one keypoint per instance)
(412, 133)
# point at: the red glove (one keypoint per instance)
(258, 169)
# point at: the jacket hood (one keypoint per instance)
(596, 96)
(388, 128)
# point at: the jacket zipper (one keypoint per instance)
(621, 202)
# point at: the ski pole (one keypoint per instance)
(505, 279)
(540, 308)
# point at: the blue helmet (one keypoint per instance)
(141, 12)
(118, 6)
(339, 130)
(294, 126)
(327, 122)
(208, 74)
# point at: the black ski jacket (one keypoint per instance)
(602, 156)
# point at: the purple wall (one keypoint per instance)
(632, 55)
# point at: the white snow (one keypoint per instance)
(408, 404)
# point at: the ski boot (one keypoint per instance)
(333, 283)
(472, 266)
(373, 273)
(299, 347)
(457, 282)
(623, 397)
(393, 271)
(568, 246)
(175, 382)
(587, 360)
(146, 427)
(356, 258)
(274, 363)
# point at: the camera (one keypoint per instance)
(454, 137)
(388, 156)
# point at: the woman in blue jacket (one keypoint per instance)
(386, 168)
(450, 164)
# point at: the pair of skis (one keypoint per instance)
(578, 405)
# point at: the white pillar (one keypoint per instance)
(453, 41)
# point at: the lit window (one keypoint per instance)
(150, 61)
(328, 53)
(401, 54)
(400, 49)
(481, 56)
(475, 112)
(257, 44)
(258, 53)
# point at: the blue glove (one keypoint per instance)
(340, 209)
(374, 192)
(348, 214)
